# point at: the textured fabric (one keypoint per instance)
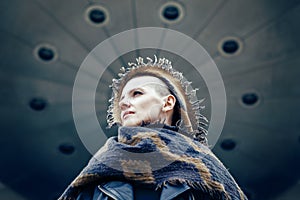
(153, 157)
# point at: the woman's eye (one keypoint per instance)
(135, 93)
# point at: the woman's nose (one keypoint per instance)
(124, 103)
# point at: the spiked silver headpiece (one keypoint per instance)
(190, 121)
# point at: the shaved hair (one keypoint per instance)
(162, 90)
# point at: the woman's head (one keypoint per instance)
(146, 99)
(155, 92)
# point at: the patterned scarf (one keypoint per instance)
(154, 157)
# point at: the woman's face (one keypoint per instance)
(140, 101)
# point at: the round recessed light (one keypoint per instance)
(45, 52)
(38, 104)
(97, 15)
(228, 144)
(250, 99)
(66, 148)
(230, 46)
(171, 12)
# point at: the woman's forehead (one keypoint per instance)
(141, 81)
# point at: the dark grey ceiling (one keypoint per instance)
(254, 44)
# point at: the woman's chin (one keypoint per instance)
(131, 123)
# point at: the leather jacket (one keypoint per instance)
(117, 190)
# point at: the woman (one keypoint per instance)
(161, 149)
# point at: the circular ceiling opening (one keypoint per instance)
(38, 104)
(66, 148)
(230, 46)
(171, 12)
(228, 144)
(97, 15)
(45, 52)
(250, 99)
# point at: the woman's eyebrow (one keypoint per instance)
(132, 90)
(136, 88)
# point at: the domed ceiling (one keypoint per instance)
(254, 44)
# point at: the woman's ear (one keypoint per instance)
(169, 104)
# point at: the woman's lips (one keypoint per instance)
(127, 113)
